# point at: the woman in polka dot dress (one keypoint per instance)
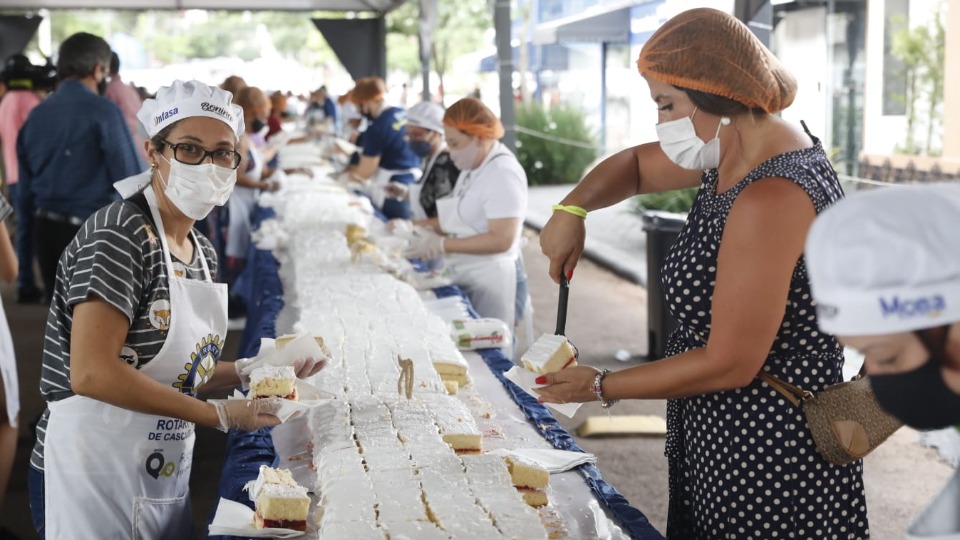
(742, 460)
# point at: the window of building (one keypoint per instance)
(896, 13)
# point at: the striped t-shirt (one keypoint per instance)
(116, 256)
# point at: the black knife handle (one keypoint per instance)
(562, 306)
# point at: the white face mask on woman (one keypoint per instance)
(679, 141)
(465, 157)
(196, 189)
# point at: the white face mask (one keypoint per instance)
(679, 141)
(196, 189)
(465, 157)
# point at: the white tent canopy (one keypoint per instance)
(232, 5)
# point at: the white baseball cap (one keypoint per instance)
(427, 115)
(887, 260)
(186, 99)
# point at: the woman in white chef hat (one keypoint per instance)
(136, 327)
(885, 272)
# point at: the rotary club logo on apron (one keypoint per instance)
(201, 366)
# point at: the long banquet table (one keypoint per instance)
(584, 504)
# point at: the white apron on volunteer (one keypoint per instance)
(240, 207)
(115, 473)
(489, 280)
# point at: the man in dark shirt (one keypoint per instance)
(71, 150)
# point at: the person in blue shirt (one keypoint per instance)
(71, 150)
(386, 157)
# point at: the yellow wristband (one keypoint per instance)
(575, 210)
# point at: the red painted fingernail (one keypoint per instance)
(541, 379)
(569, 275)
(539, 400)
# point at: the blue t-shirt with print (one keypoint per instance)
(386, 137)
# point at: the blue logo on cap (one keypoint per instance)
(905, 308)
(164, 116)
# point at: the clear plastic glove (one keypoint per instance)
(396, 190)
(400, 227)
(247, 414)
(425, 244)
(304, 367)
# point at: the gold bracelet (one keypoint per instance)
(575, 210)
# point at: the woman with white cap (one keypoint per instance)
(885, 273)
(425, 134)
(742, 460)
(136, 328)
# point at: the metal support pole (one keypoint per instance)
(604, 47)
(501, 23)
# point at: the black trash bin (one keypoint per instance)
(662, 230)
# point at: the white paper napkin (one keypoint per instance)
(308, 396)
(525, 379)
(551, 459)
(235, 519)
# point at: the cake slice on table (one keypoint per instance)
(273, 381)
(281, 503)
(530, 479)
(548, 354)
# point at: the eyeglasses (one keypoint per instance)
(192, 154)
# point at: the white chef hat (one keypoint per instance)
(185, 99)
(427, 115)
(887, 260)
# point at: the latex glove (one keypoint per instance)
(304, 367)
(396, 190)
(247, 414)
(400, 227)
(425, 244)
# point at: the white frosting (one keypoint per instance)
(264, 373)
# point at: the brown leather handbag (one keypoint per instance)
(845, 419)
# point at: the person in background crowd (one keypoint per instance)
(278, 106)
(425, 133)
(128, 99)
(250, 182)
(385, 156)
(233, 84)
(742, 460)
(481, 220)
(321, 112)
(135, 332)
(21, 98)
(885, 274)
(75, 122)
(9, 385)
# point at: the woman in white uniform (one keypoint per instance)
(481, 220)
(885, 272)
(136, 328)
(9, 387)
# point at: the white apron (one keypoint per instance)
(490, 281)
(240, 205)
(111, 473)
(375, 190)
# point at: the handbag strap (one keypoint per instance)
(795, 394)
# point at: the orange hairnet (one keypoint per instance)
(278, 101)
(472, 117)
(711, 51)
(368, 89)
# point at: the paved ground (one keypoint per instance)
(606, 313)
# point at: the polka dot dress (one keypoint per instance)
(743, 463)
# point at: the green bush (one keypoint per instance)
(562, 147)
(678, 201)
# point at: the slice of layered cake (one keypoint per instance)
(273, 381)
(530, 480)
(281, 503)
(548, 354)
